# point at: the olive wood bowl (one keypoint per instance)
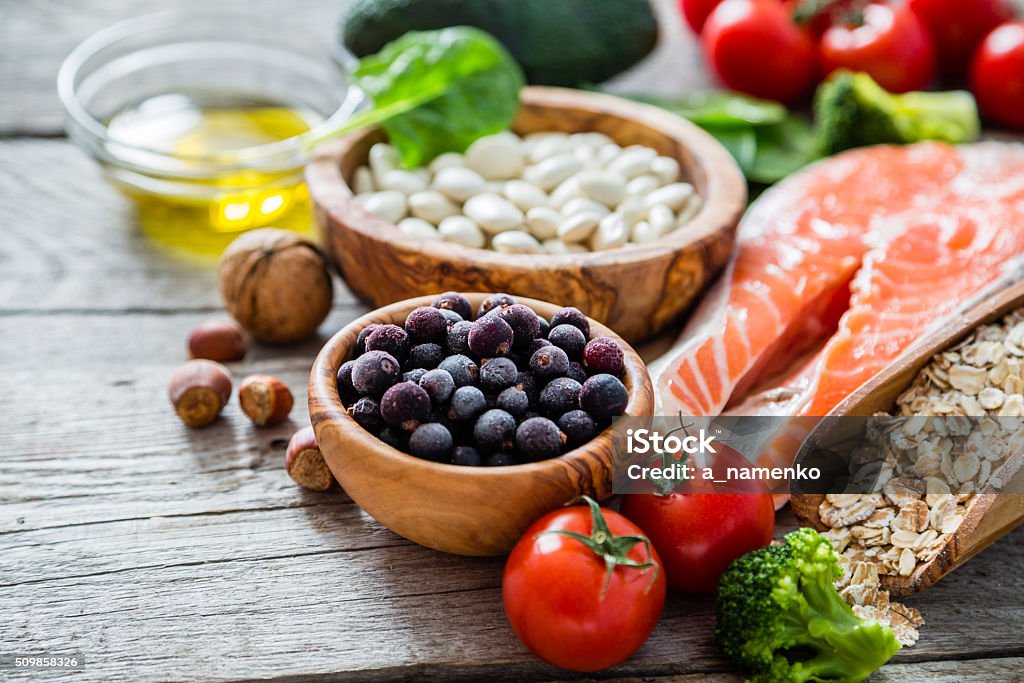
(989, 515)
(457, 509)
(637, 290)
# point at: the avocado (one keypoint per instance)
(557, 42)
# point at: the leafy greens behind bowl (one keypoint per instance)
(437, 91)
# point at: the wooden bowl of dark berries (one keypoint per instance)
(636, 289)
(458, 420)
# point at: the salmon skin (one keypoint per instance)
(838, 270)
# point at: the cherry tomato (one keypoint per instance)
(696, 12)
(997, 75)
(570, 607)
(891, 45)
(957, 30)
(754, 47)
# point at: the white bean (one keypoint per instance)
(498, 156)
(493, 213)
(569, 189)
(606, 154)
(362, 180)
(611, 233)
(405, 182)
(418, 228)
(666, 168)
(559, 247)
(603, 186)
(673, 196)
(459, 183)
(633, 161)
(383, 158)
(432, 206)
(584, 205)
(661, 219)
(516, 242)
(543, 222)
(525, 195)
(643, 232)
(553, 170)
(578, 228)
(548, 145)
(632, 209)
(447, 160)
(462, 230)
(388, 204)
(591, 139)
(690, 210)
(642, 185)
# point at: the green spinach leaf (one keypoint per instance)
(782, 149)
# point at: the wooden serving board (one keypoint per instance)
(989, 515)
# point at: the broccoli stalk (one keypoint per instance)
(851, 110)
(780, 616)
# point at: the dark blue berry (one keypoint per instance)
(361, 339)
(569, 339)
(490, 336)
(426, 324)
(539, 438)
(560, 396)
(462, 369)
(548, 363)
(458, 338)
(375, 371)
(366, 412)
(439, 385)
(526, 383)
(495, 430)
(431, 441)
(500, 459)
(576, 372)
(604, 396)
(536, 345)
(405, 405)
(466, 455)
(346, 391)
(493, 301)
(523, 321)
(545, 327)
(578, 427)
(395, 438)
(414, 375)
(390, 338)
(450, 317)
(427, 356)
(497, 374)
(513, 401)
(467, 403)
(453, 301)
(571, 316)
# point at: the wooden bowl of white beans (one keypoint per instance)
(621, 209)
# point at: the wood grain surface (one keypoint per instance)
(162, 553)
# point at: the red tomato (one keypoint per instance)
(957, 30)
(754, 47)
(892, 45)
(697, 535)
(696, 12)
(562, 602)
(997, 75)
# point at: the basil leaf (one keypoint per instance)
(443, 89)
(437, 91)
(782, 149)
(740, 142)
(721, 109)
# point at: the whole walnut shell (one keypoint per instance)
(276, 285)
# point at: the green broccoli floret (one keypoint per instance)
(780, 616)
(851, 110)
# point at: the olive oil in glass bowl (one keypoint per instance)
(206, 120)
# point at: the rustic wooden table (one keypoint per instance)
(161, 553)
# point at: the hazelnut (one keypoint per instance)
(219, 340)
(276, 285)
(305, 463)
(199, 390)
(265, 399)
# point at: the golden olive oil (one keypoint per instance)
(204, 183)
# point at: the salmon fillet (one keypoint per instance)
(838, 270)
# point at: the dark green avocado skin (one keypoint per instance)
(557, 42)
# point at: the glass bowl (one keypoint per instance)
(127, 88)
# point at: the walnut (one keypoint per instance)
(276, 285)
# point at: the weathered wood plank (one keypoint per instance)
(36, 36)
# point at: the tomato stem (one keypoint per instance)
(614, 550)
